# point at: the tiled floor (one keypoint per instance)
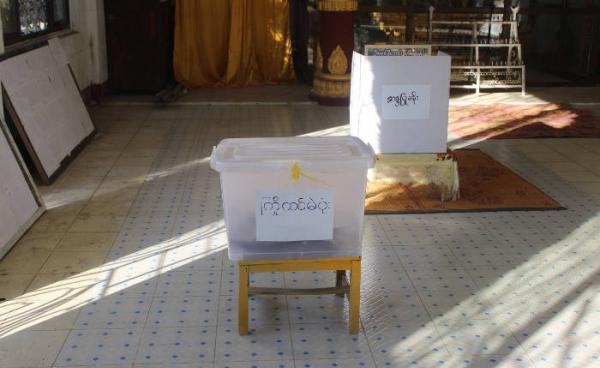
(128, 268)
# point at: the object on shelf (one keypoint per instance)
(495, 59)
(472, 39)
(397, 50)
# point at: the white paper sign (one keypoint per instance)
(291, 215)
(405, 101)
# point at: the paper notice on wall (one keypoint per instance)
(405, 101)
(291, 215)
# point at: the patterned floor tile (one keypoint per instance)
(114, 311)
(318, 308)
(266, 279)
(262, 310)
(99, 346)
(365, 362)
(403, 343)
(186, 311)
(31, 348)
(194, 283)
(477, 337)
(265, 342)
(169, 346)
(327, 340)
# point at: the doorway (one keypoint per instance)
(139, 38)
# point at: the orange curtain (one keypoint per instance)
(232, 42)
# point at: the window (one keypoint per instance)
(26, 19)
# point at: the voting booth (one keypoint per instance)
(399, 104)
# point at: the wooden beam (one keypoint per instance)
(289, 291)
(244, 280)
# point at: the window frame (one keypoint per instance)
(13, 40)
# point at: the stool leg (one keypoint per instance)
(354, 297)
(244, 280)
(340, 275)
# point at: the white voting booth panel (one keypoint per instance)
(399, 104)
(47, 102)
(19, 204)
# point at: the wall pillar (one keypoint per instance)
(331, 82)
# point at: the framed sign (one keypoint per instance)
(397, 50)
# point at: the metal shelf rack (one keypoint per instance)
(473, 67)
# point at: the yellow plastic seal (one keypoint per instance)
(296, 172)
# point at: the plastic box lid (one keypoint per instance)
(312, 152)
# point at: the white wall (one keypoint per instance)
(86, 47)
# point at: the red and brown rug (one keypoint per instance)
(485, 185)
(502, 121)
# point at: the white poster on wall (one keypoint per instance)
(405, 101)
(292, 215)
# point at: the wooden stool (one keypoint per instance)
(340, 265)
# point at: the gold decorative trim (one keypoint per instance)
(333, 77)
(337, 63)
(319, 60)
(330, 88)
(338, 5)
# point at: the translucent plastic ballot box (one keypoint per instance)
(300, 197)
(399, 104)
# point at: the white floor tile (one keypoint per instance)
(194, 283)
(169, 346)
(114, 312)
(477, 337)
(265, 342)
(327, 340)
(99, 346)
(318, 308)
(186, 311)
(365, 362)
(31, 348)
(262, 310)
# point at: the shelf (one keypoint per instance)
(466, 22)
(480, 41)
(521, 66)
(475, 44)
(484, 86)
